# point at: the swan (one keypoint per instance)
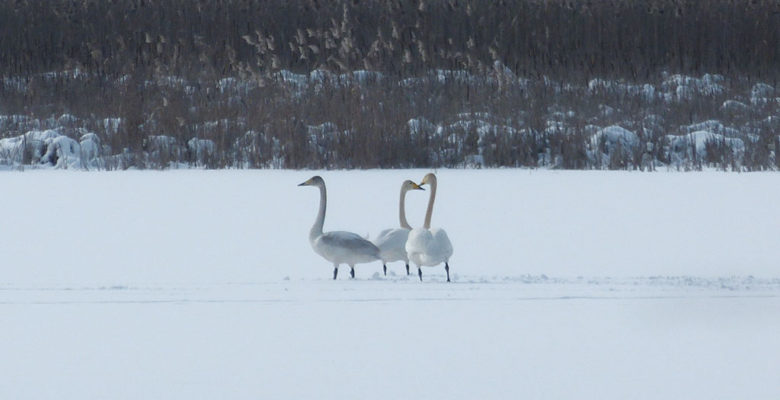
(391, 242)
(426, 246)
(338, 247)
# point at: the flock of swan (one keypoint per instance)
(423, 246)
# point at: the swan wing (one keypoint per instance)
(426, 247)
(441, 245)
(391, 244)
(382, 236)
(390, 238)
(346, 247)
(349, 240)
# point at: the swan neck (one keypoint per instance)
(402, 210)
(316, 229)
(431, 199)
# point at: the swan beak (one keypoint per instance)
(418, 187)
(304, 183)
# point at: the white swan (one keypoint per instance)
(338, 247)
(426, 246)
(392, 242)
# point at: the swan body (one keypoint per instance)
(425, 246)
(428, 247)
(392, 242)
(338, 247)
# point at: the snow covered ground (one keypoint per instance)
(567, 285)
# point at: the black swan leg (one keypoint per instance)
(447, 268)
(384, 269)
(352, 271)
(335, 272)
(419, 273)
(407, 269)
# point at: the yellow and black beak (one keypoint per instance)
(418, 187)
(307, 183)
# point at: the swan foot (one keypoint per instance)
(335, 272)
(447, 268)
(352, 272)
(384, 268)
(407, 269)
(419, 273)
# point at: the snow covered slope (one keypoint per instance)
(569, 285)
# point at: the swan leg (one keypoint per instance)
(407, 268)
(352, 271)
(335, 271)
(419, 273)
(384, 268)
(447, 268)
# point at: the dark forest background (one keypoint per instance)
(364, 84)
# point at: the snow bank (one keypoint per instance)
(612, 138)
(163, 147)
(645, 91)
(701, 143)
(50, 148)
(683, 88)
(12, 151)
(712, 126)
(762, 93)
(91, 151)
(734, 106)
(63, 152)
(201, 150)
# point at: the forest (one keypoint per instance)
(567, 84)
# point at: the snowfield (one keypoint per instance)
(566, 285)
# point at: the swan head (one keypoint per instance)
(429, 179)
(409, 185)
(314, 181)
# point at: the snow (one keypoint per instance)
(63, 152)
(615, 137)
(46, 148)
(734, 106)
(682, 88)
(441, 76)
(569, 285)
(712, 126)
(419, 127)
(90, 151)
(737, 109)
(762, 93)
(697, 141)
(762, 90)
(11, 150)
(111, 125)
(201, 149)
(163, 147)
(645, 91)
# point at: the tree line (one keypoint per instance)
(572, 38)
(313, 84)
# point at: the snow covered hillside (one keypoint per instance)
(571, 285)
(326, 120)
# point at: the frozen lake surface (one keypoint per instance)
(574, 285)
